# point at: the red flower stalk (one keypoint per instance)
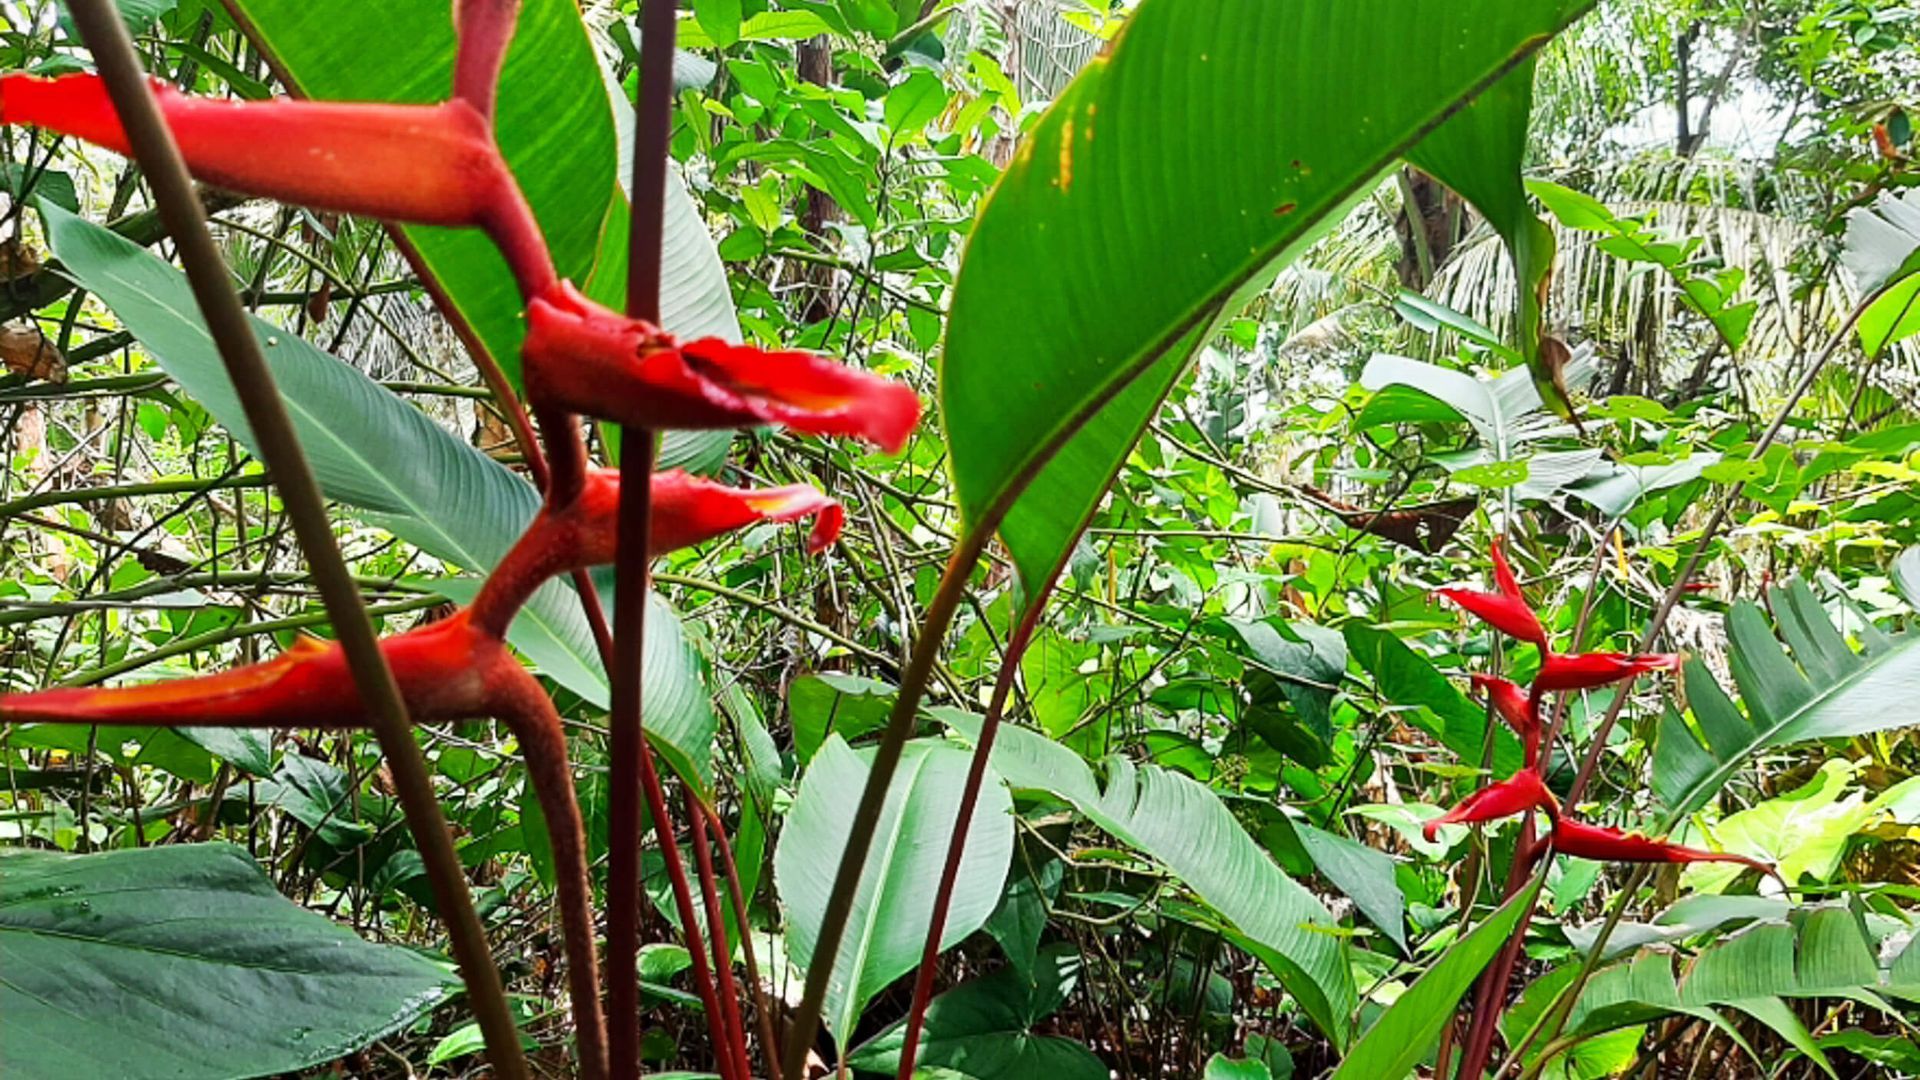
(1506, 610)
(1585, 671)
(1516, 707)
(1522, 792)
(687, 510)
(584, 358)
(426, 164)
(1584, 841)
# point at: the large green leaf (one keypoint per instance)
(1405, 677)
(1172, 175)
(984, 1028)
(562, 134)
(1883, 253)
(1395, 1043)
(374, 452)
(894, 905)
(1816, 687)
(183, 961)
(1478, 153)
(1184, 825)
(1823, 954)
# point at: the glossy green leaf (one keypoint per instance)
(1405, 677)
(1143, 204)
(983, 1028)
(1404, 1033)
(183, 960)
(1807, 684)
(1882, 252)
(1822, 954)
(894, 905)
(388, 460)
(1184, 825)
(1365, 874)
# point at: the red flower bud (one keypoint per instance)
(426, 164)
(584, 358)
(1611, 845)
(1524, 791)
(1585, 671)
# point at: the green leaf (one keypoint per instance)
(1222, 1067)
(1505, 411)
(1823, 954)
(1809, 684)
(387, 459)
(828, 703)
(1882, 251)
(983, 1028)
(1143, 205)
(916, 101)
(1363, 873)
(182, 960)
(1184, 825)
(1404, 677)
(720, 19)
(1478, 152)
(1396, 1042)
(894, 904)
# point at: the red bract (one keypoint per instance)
(1585, 671)
(584, 358)
(687, 510)
(1506, 610)
(443, 670)
(427, 164)
(1522, 792)
(1511, 702)
(1584, 841)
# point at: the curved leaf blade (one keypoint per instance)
(893, 907)
(1139, 208)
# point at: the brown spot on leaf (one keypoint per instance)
(1285, 208)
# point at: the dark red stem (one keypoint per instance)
(630, 765)
(771, 1042)
(735, 1047)
(1489, 997)
(962, 823)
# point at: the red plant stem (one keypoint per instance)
(770, 1043)
(530, 714)
(736, 1044)
(663, 833)
(153, 148)
(630, 765)
(1488, 1000)
(962, 823)
(627, 757)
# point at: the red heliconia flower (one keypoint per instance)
(1522, 792)
(1506, 610)
(425, 164)
(584, 358)
(443, 670)
(687, 510)
(1516, 707)
(1585, 671)
(1584, 841)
